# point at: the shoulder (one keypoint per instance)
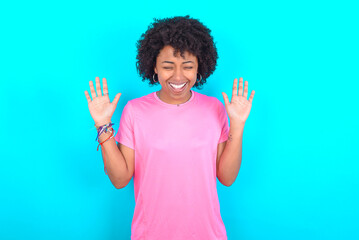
(144, 100)
(141, 105)
(208, 101)
(205, 98)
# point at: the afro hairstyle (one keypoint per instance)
(183, 34)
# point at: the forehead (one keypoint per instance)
(168, 53)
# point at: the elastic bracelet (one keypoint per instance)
(104, 155)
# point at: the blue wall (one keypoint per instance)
(299, 173)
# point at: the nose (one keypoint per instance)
(178, 75)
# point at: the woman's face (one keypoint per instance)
(176, 75)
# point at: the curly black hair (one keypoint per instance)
(183, 34)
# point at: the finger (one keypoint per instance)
(245, 93)
(92, 90)
(240, 91)
(98, 87)
(87, 97)
(225, 97)
(235, 88)
(115, 100)
(251, 96)
(104, 83)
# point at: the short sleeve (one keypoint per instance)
(223, 119)
(125, 133)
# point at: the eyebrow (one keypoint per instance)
(173, 62)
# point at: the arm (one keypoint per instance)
(238, 110)
(229, 156)
(119, 161)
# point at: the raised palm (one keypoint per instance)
(239, 107)
(101, 109)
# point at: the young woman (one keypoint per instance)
(174, 142)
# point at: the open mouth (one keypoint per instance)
(178, 87)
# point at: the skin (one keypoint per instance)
(239, 107)
(177, 70)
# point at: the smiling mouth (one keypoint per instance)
(178, 86)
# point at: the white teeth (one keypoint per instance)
(177, 86)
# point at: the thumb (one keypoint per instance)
(116, 99)
(225, 97)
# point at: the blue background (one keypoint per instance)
(299, 173)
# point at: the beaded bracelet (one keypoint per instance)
(104, 158)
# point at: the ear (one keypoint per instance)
(155, 70)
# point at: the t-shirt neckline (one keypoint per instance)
(175, 105)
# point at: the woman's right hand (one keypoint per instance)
(101, 109)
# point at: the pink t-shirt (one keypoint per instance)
(175, 180)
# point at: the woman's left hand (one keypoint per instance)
(239, 107)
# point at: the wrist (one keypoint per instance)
(103, 128)
(236, 129)
(101, 123)
(105, 135)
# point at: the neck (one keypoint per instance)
(174, 102)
